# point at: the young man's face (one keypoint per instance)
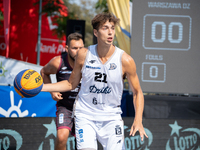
(106, 32)
(73, 48)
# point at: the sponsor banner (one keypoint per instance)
(24, 34)
(165, 134)
(12, 105)
(40, 134)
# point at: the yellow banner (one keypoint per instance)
(121, 9)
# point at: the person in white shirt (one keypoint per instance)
(101, 68)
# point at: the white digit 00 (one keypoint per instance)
(170, 32)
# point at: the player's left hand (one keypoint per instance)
(137, 126)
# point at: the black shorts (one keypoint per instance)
(64, 119)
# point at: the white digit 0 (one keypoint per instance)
(180, 33)
(153, 31)
(153, 71)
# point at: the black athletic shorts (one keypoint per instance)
(64, 119)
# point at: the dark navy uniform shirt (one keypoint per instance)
(64, 72)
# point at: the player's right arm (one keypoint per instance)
(75, 77)
(51, 68)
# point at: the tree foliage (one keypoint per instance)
(102, 5)
(59, 9)
(64, 9)
(1, 18)
(85, 10)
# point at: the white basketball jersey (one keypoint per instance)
(101, 87)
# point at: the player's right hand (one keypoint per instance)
(56, 96)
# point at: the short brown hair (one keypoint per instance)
(74, 36)
(100, 19)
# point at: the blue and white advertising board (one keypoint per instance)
(12, 105)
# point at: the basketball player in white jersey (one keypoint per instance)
(97, 109)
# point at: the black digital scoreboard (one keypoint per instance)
(165, 44)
